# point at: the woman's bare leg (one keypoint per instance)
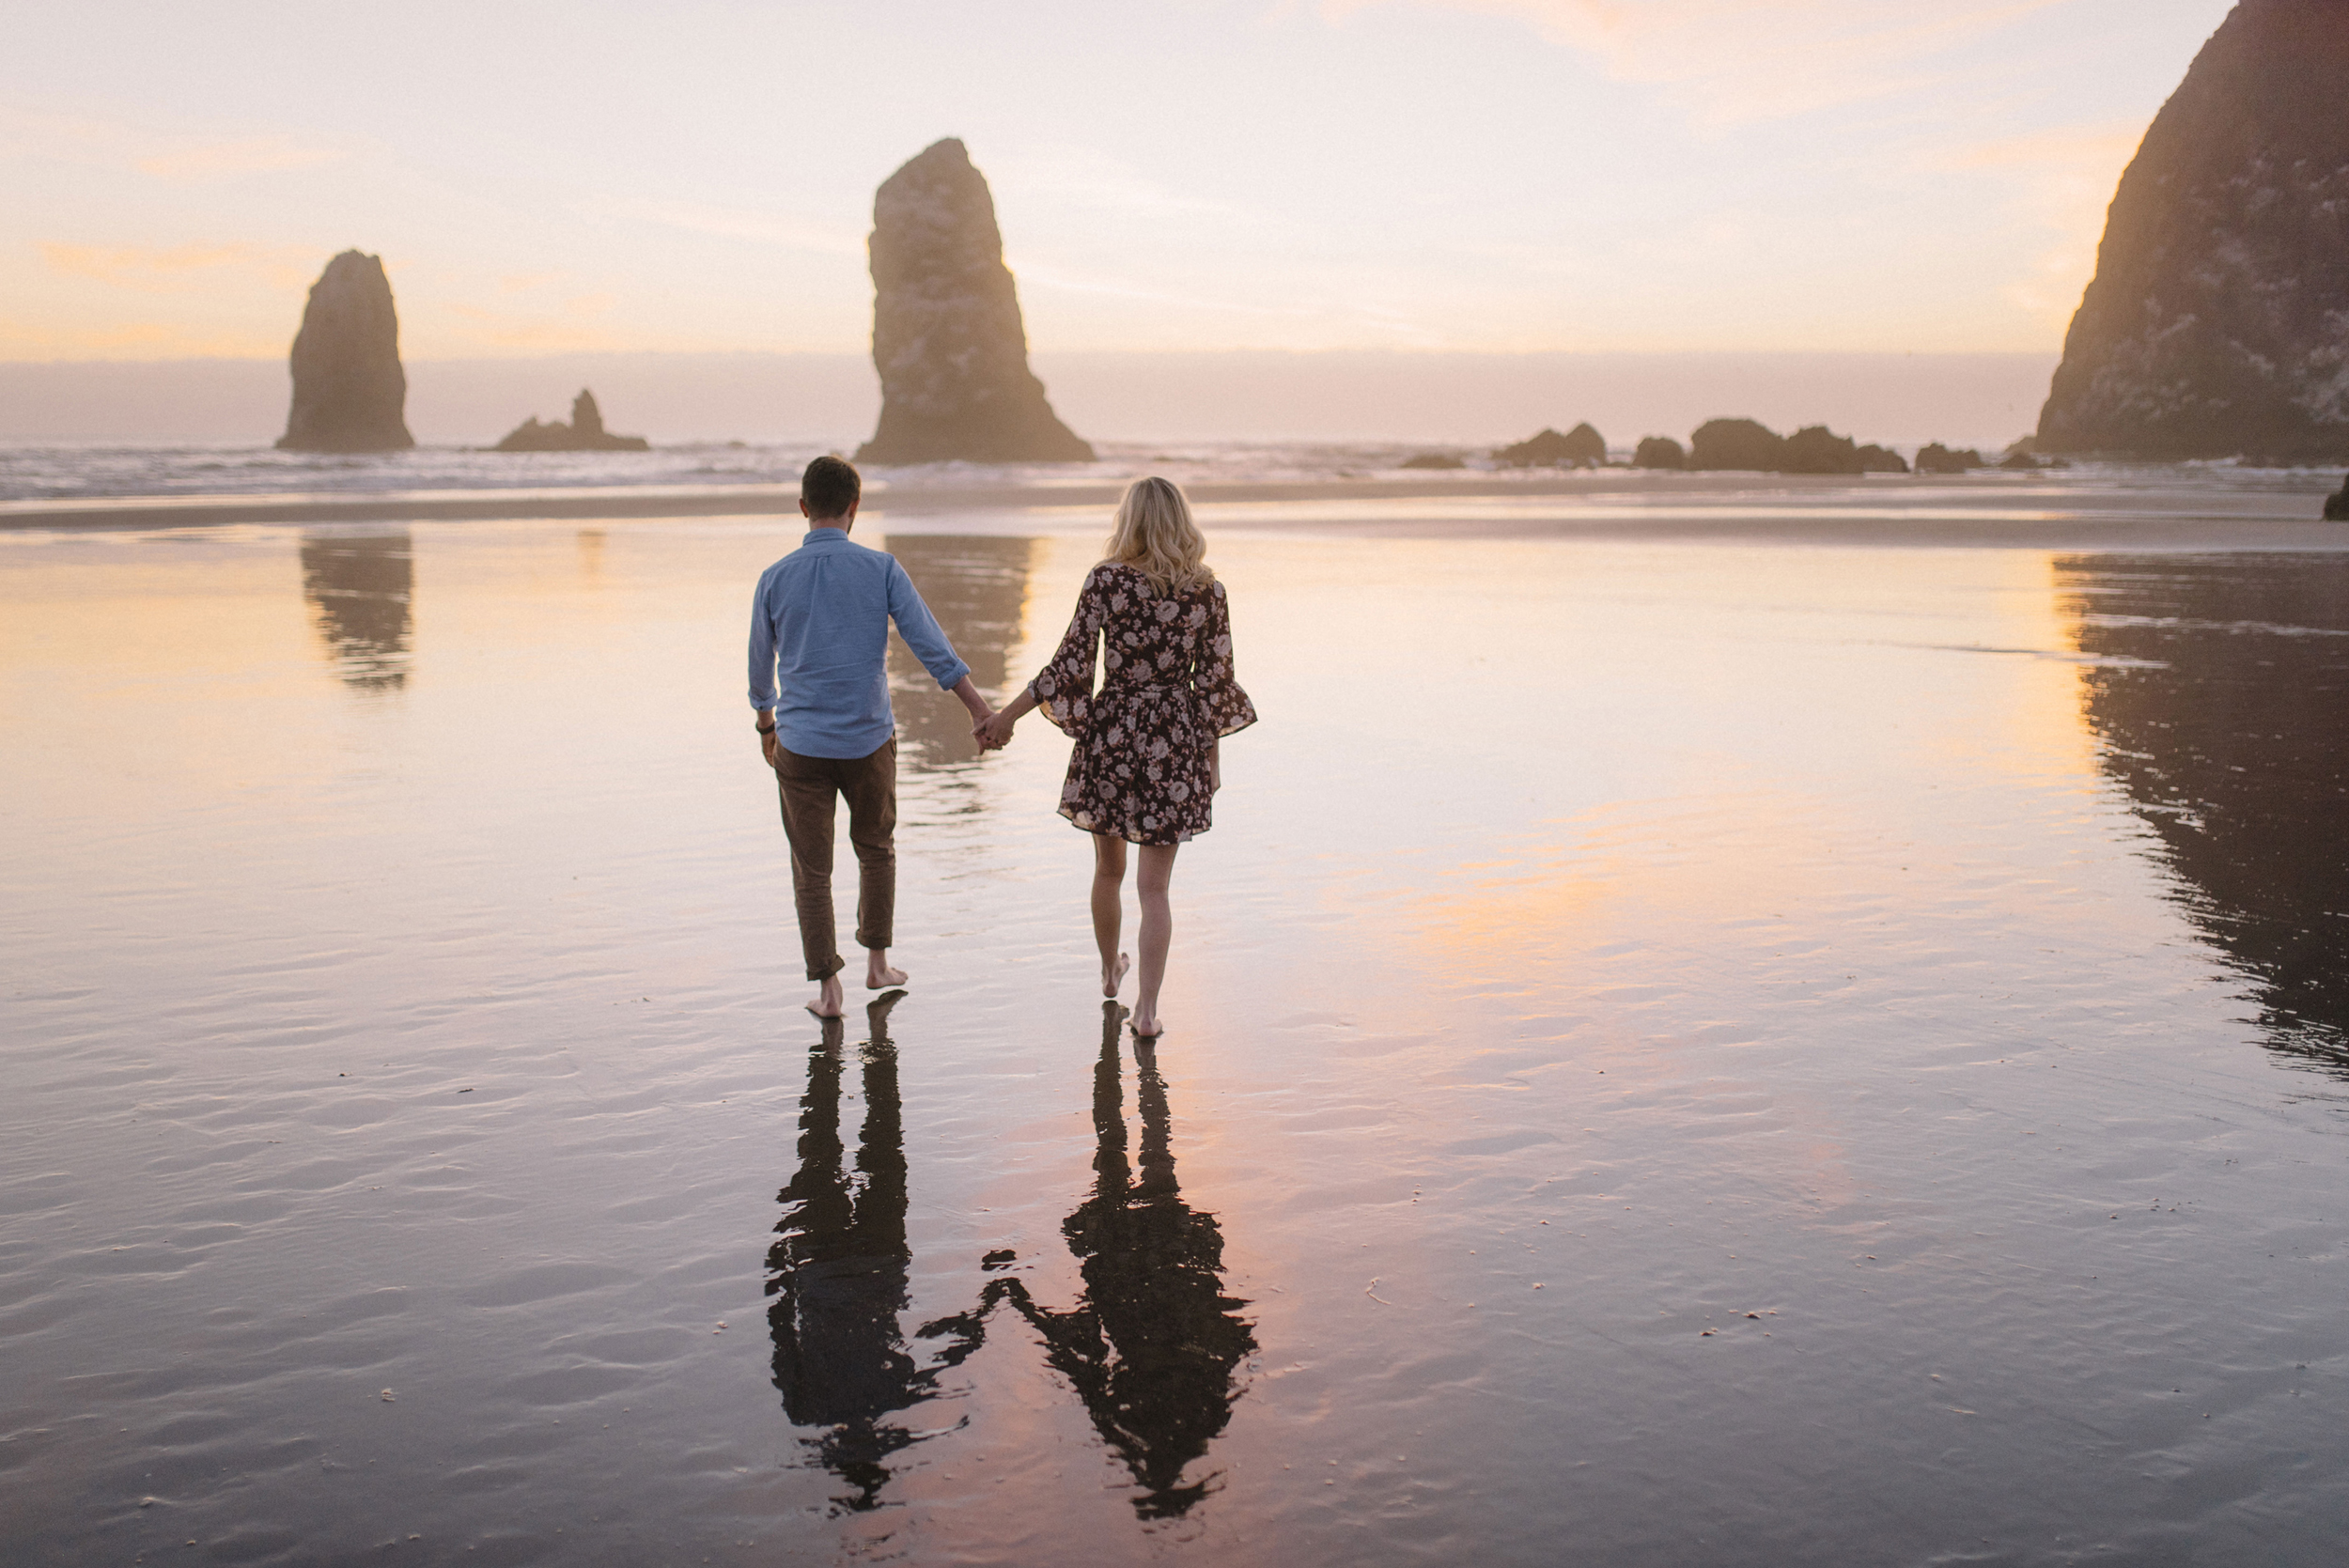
(1108, 886)
(1157, 930)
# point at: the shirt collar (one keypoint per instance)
(825, 535)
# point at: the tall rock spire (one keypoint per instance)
(2219, 321)
(349, 389)
(947, 337)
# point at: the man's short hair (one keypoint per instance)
(829, 487)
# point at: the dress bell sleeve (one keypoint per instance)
(1227, 707)
(1063, 690)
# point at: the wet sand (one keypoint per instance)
(1680, 1052)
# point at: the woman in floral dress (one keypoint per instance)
(1147, 760)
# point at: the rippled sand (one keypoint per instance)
(415, 1151)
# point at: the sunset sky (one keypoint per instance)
(1197, 174)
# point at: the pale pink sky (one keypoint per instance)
(1435, 174)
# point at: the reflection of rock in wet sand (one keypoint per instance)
(2232, 737)
(838, 1272)
(977, 587)
(360, 590)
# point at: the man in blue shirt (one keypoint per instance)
(820, 623)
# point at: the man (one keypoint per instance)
(820, 622)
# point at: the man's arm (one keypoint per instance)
(763, 692)
(922, 634)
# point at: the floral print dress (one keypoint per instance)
(1140, 767)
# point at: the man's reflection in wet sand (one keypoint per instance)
(1151, 1347)
(2224, 712)
(360, 589)
(977, 587)
(838, 1272)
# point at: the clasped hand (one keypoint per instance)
(993, 733)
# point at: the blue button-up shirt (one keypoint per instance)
(820, 619)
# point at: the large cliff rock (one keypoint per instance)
(2218, 320)
(584, 433)
(947, 338)
(349, 389)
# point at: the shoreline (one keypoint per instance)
(2001, 510)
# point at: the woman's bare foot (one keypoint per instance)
(879, 976)
(1148, 1028)
(1112, 978)
(829, 1001)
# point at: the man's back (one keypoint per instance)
(819, 632)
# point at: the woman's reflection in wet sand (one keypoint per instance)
(838, 1272)
(1151, 1347)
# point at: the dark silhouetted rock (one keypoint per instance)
(2219, 321)
(1881, 459)
(1585, 445)
(584, 433)
(947, 337)
(1659, 452)
(1546, 448)
(2021, 462)
(1433, 459)
(1938, 459)
(1817, 449)
(349, 391)
(1737, 443)
(2337, 503)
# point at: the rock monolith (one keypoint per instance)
(584, 433)
(349, 392)
(1737, 443)
(947, 336)
(1659, 451)
(2218, 323)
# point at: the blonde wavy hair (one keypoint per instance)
(1156, 537)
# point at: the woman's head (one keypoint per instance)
(1156, 537)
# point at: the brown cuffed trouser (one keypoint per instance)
(807, 786)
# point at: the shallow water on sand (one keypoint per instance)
(1679, 1054)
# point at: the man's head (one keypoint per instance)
(829, 492)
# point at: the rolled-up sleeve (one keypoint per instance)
(763, 693)
(921, 630)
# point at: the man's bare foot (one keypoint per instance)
(1148, 1028)
(829, 1001)
(1112, 978)
(879, 976)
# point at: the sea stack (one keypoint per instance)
(947, 337)
(2218, 324)
(349, 391)
(584, 433)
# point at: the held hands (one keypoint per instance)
(993, 733)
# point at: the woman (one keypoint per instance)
(1147, 763)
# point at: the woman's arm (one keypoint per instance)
(993, 733)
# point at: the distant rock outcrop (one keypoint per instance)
(584, 433)
(1432, 460)
(1737, 443)
(1933, 458)
(1881, 459)
(1817, 449)
(349, 394)
(2219, 321)
(947, 337)
(1659, 452)
(1581, 448)
(1585, 445)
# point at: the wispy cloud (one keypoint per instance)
(199, 162)
(25, 338)
(173, 269)
(1743, 60)
(181, 156)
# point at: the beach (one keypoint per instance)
(1721, 1022)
